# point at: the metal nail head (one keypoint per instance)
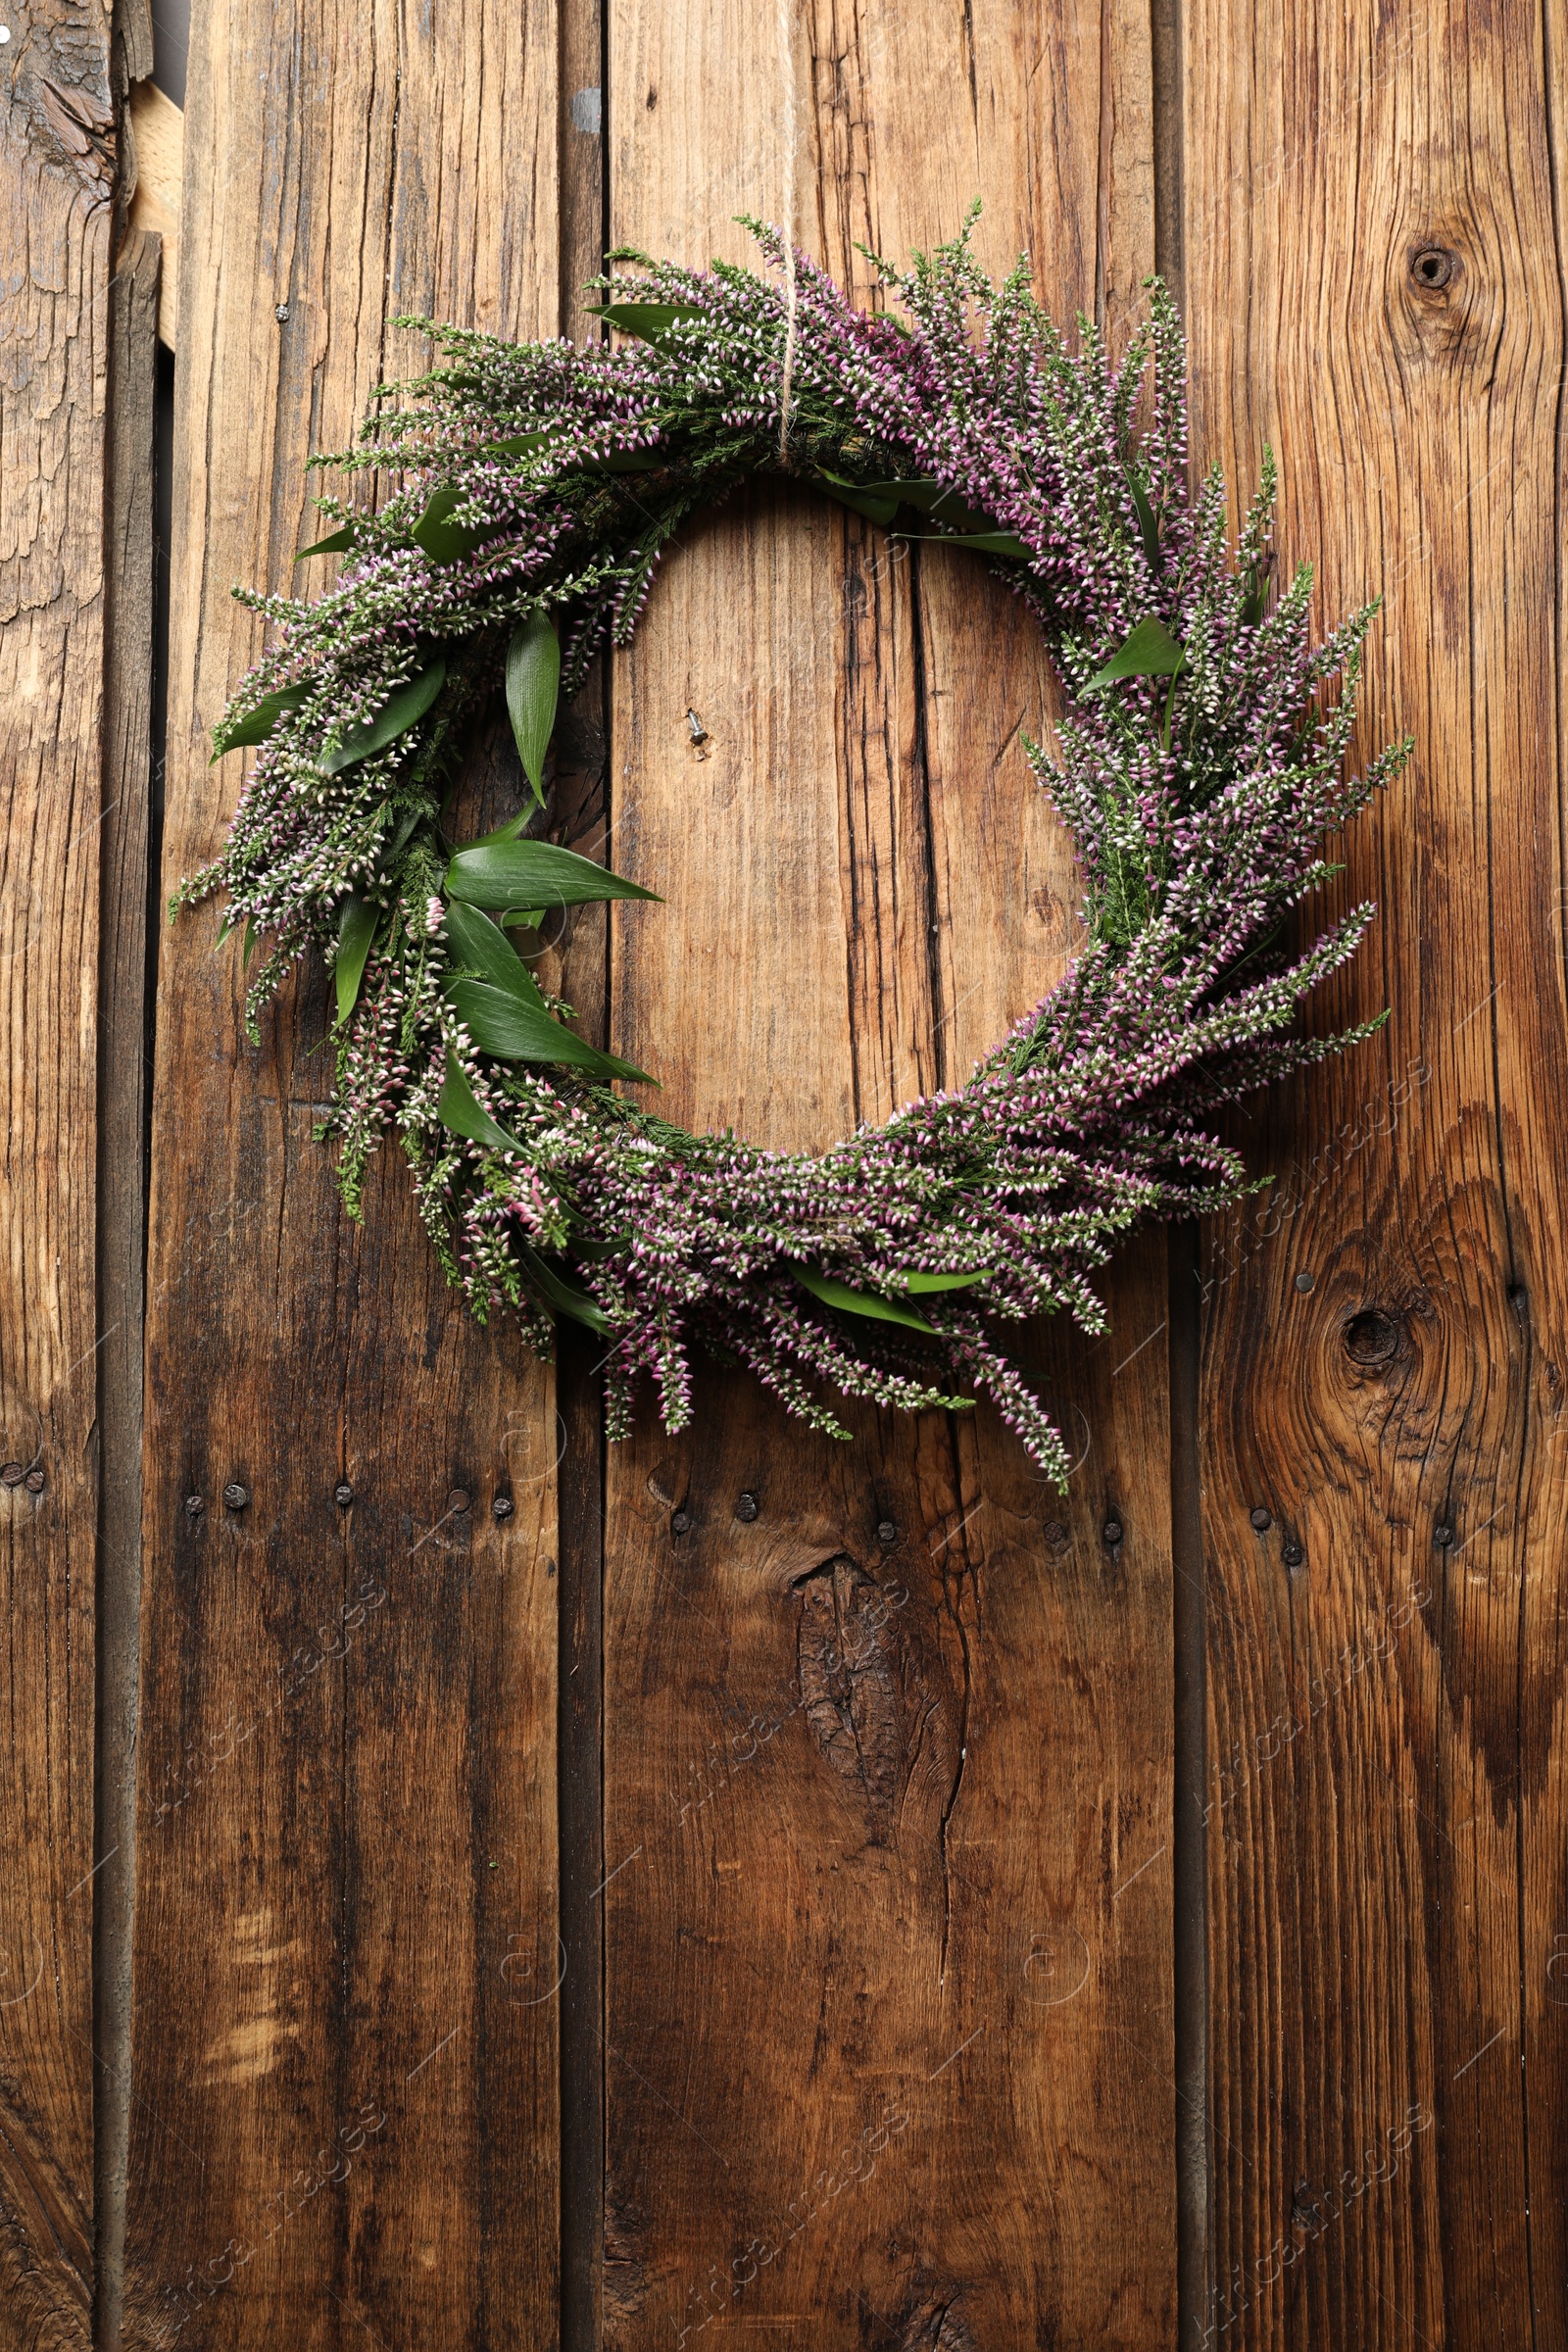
(746, 1509)
(343, 1496)
(503, 1506)
(681, 1522)
(1112, 1531)
(235, 1495)
(1261, 1520)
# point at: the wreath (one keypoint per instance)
(1200, 770)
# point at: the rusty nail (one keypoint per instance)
(12, 1475)
(1442, 1535)
(235, 1495)
(457, 1499)
(1261, 1520)
(886, 1534)
(1112, 1531)
(194, 1506)
(746, 1508)
(503, 1506)
(681, 1522)
(34, 1482)
(343, 1496)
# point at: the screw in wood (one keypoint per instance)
(503, 1506)
(235, 1495)
(1112, 1531)
(886, 1534)
(12, 1475)
(680, 1521)
(194, 1506)
(746, 1509)
(34, 1482)
(1261, 1520)
(1442, 1535)
(343, 1496)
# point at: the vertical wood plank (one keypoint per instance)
(347, 1964)
(134, 298)
(1373, 277)
(55, 180)
(888, 2038)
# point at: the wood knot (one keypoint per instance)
(873, 1711)
(1433, 267)
(1372, 1337)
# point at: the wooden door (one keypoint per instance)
(471, 1884)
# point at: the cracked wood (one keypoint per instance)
(887, 1917)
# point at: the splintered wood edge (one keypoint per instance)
(157, 133)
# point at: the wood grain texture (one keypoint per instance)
(56, 179)
(346, 1963)
(1374, 280)
(158, 131)
(888, 2031)
(122, 1076)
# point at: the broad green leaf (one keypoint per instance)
(1255, 602)
(874, 500)
(648, 321)
(459, 1109)
(337, 543)
(248, 946)
(855, 1303)
(918, 1284)
(397, 714)
(356, 929)
(522, 445)
(563, 1295)
(979, 543)
(533, 689)
(258, 725)
(503, 1023)
(533, 873)
(524, 919)
(443, 540)
(485, 948)
(1148, 527)
(1150, 651)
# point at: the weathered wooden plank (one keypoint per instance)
(888, 1727)
(1373, 286)
(121, 1207)
(55, 177)
(346, 1957)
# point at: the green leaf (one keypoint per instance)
(524, 919)
(917, 1284)
(1255, 602)
(337, 543)
(979, 543)
(443, 540)
(563, 1295)
(1148, 527)
(248, 946)
(522, 445)
(397, 714)
(533, 689)
(856, 1302)
(877, 500)
(647, 321)
(1150, 651)
(356, 929)
(502, 1022)
(258, 725)
(483, 947)
(459, 1109)
(532, 873)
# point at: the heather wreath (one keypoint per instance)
(1203, 765)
